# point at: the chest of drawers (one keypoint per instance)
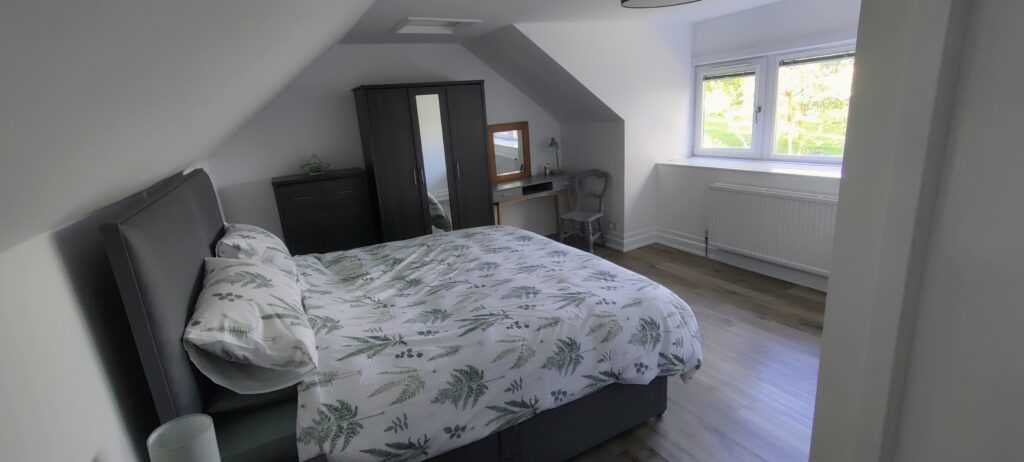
(326, 212)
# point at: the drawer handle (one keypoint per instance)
(328, 223)
(302, 198)
(344, 192)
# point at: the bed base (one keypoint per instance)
(571, 429)
(551, 436)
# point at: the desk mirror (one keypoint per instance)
(508, 150)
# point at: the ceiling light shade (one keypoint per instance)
(654, 3)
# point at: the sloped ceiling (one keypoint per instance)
(379, 22)
(517, 58)
(101, 98)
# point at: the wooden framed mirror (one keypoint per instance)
(508, 151)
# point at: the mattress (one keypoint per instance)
(432, 343)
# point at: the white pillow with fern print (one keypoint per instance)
(248, 242)
(249, 332)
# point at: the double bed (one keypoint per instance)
(487, 343)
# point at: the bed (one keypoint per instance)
(482, 344)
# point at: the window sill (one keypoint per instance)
(760, 166)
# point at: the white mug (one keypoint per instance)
(189, 438)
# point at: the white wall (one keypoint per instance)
(642, 72)
(316, 114)
(98, 99)
(683, 198)
(907, 61)
(58, 404)
(778, 26)
(965, 385)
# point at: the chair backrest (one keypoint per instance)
(590, 188)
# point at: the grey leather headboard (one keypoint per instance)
(157, 253)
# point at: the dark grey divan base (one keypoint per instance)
(268, 435)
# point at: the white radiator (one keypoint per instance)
(788, 228)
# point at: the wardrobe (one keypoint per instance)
(425, 149)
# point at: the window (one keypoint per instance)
(811, 105)
(730, 103)
(794, 111)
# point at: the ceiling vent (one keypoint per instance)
(432, 25)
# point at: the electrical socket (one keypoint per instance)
(613, 226)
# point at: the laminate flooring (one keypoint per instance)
(753, 399)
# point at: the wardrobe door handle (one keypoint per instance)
(423, 176)
(415, 178)
(458, 172)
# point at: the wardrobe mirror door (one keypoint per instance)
(435, 168)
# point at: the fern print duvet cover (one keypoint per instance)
(432, 343)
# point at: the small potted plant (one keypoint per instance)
(315, 166)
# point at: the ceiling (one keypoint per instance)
(377, 24)
(101, 99)
(519, 60)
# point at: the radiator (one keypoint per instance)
(789, 228)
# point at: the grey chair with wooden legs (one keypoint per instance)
(586, 216)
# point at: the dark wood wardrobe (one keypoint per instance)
(423, 143)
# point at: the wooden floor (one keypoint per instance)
(753, 399)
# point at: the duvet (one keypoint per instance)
(432, 343)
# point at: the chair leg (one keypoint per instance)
(600, 230)
(590, 236)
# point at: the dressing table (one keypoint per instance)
(508, 156)
(534, 187)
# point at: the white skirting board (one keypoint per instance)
(631, 241)
(695, 245)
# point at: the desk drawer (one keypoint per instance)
(564, 183)
(506, 194)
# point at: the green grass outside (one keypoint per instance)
(828, 143)
(718, 131)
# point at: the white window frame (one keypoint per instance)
(766, 76)
(756, 65)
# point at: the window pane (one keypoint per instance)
(727, 111)
(812, 104)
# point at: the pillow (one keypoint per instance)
(248, 242)
(249, 332)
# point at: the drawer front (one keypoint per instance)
(565, 183)
(323, 223)
(332, 244)
(299, 198)
(507, 194)
(344, 191)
